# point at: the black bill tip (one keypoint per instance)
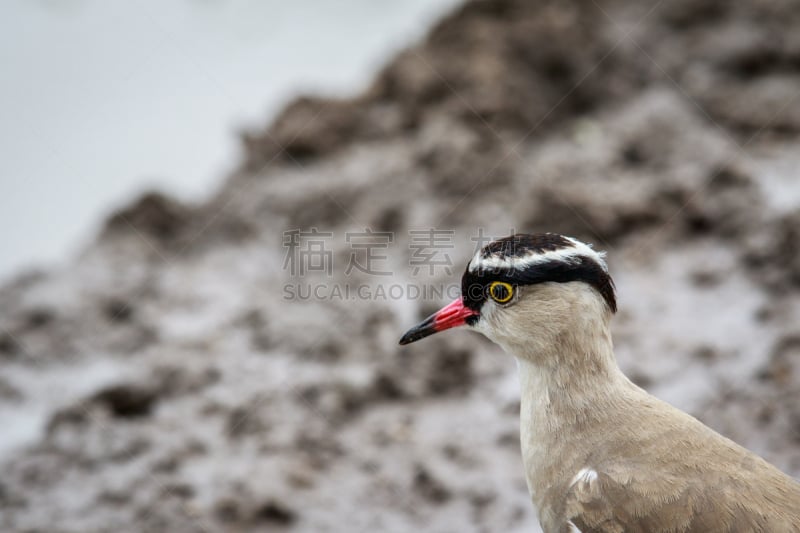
(420, 331)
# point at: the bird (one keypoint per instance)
(601, 455)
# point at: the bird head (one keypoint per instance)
(527, 288)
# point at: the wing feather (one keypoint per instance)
(634, 499)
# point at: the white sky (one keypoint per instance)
(101, 99)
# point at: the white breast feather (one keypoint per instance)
(573, 528)
(584, 475)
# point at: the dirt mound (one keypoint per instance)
(179, 377)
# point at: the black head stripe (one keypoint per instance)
(473, 289)
(578, 268)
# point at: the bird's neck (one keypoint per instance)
(571, 375)
(569, 391)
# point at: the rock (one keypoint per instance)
(127, 400)
(274, 512)
(153, 215)
(430, 488)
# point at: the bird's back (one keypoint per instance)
(656, 469)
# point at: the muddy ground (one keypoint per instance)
(164, 382)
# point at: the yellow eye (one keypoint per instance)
(501, 292)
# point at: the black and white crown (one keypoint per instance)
(525, 259)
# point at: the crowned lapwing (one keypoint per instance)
(601, 455)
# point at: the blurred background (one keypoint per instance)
(220, 215)
(103, 100)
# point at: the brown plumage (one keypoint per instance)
(601, 455)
